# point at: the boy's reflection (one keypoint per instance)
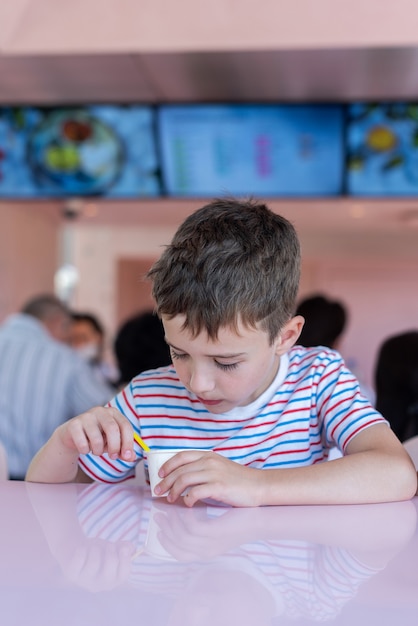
(214, 564)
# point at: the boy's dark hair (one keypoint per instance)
(325, 321)
(230, 260)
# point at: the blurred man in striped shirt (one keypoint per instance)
(43, 382)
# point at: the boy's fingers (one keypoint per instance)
(126, 439)
(181, 458)
(118, 432)
(79, 438)
(103, 429)
(112, 434)
(96, 438)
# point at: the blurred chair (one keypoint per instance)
(4, 472)
(411, 446)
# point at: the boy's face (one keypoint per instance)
(234, 369)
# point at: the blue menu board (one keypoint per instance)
(103, 150)
(268, 150)
(382, 149)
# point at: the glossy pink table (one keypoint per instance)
(77, 555)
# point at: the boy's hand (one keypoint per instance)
(99, 430)
(208, 475)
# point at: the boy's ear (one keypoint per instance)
(289, 334)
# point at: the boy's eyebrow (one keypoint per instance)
(213, 356)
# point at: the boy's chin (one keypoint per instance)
(218, 408)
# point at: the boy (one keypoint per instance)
(257, 412)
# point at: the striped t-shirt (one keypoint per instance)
(313, 404)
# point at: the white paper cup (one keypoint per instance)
(157, 458)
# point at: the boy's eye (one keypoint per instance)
(176, 355)
(226, 366)
(222, 366)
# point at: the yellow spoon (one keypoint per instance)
(141, 443)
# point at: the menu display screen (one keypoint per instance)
(103, 150)
(263, 150)
(382, 149)
(207, 150)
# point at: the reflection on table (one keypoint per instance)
(90, 554)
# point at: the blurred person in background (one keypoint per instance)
(140, 346)
(43, 382)
(396, 380)
(325, 322)
(87, 337)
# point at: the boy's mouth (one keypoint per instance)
(209, 402)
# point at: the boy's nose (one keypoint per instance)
(199, 382)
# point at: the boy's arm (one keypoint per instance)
(374, 533)
(100, 430)
(375, 468)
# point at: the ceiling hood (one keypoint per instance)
(250, 76)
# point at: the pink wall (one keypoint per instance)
(29, 241)
(381, 297)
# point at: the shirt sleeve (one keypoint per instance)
(343, 410)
